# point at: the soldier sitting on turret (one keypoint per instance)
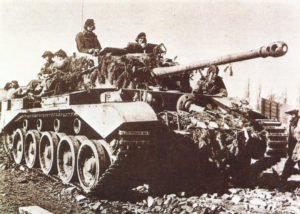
(36, 87)
(87, 41)
(48, 66)
(141, 45)
(212, 83)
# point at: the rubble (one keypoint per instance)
(68, 191)
(80, 198)
(236, 199)
(150, 201)
(33, 210)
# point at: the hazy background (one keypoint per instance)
(191, 30)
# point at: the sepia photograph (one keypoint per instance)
(149, 106)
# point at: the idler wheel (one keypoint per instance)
(18, 146)
(184, 102)
(32, 141)
(91, 163)
(67, 158)
(47, 152)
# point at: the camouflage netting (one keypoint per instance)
(128, 71)
(227, 140)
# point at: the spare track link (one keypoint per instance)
(277, 138)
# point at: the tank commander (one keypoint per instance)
(293, 146)
(212, 83)
(87, 41)
(140, 45)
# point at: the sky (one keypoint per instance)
(191, 30)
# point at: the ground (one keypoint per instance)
(20, 186)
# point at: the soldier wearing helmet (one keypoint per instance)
(212, 83)
(47, 68)
(36, 86)
(141, 40)
(87, 41)
(62, 68)
(62, 61)
(140, 45)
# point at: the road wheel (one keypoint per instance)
(32, 141)
(47, 152)
(91, 163)
(18, 146)
(67, 158)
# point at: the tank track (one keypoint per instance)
(119, 176)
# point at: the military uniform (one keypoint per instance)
(211, 86)
(293, 146)
(48, 66)
(140, 46)
(87, 40)
(58, 82)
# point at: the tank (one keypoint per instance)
(148, 124)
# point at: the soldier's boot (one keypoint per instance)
(286, 173)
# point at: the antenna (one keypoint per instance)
(82, 7)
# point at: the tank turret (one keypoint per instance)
(275, 49)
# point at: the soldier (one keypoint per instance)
(293, 145)
(61, 69)
(87, 41)
(37, 86)
(141, 45)
(48, 66)
(12, 89)
(212, 83)
(62, 63)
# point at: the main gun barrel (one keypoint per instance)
(275, 49)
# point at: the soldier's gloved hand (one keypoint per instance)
(91, 51)
(97, 50)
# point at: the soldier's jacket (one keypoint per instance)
(87, 40)
(294, 139)
(214, 87)
(63, 66)
(47, 68)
